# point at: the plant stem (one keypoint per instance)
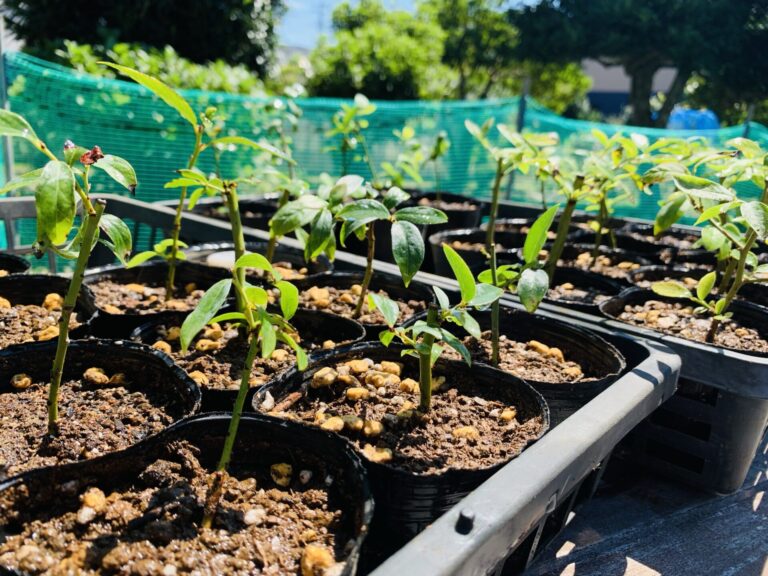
(272, 244)
(543, 198)
(562, 232)
(425, 363)
(438, 192)
(368, 158)
(491, 232)
(215, 490)
(176, 229)
(494, 314)
(235, 222)
(368, 270)
(90, 232)
(599, 234)
(725, 281)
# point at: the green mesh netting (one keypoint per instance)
(126, 120)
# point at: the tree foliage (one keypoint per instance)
(640, 35)
(240, 31)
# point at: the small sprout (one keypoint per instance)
(324, 377)
(163, 346)
(281, 474)
(333, 424)
(377, 454)
(21, 381)
(96, 376)
(53, 301)
(316, 560)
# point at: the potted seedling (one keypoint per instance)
(349, 125)
(60, 186)
(395, 404)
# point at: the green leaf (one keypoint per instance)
(321, 231)
(55, 202)
(267, 336)
(421, 215)
(485, 295)
(388, 308)
(254, 260)
(537, 235)
(442, 298)
(395, 196)
(706, 283)
(669, 213)
(386, 337)
(73, 154)
(256, 296)
(712, 239)
(532, 287)
(181, 183)
(28, 180)
(756, 215)
(119, 170)
(461, 272)
(260, 146)
(289, 298)
(161, 90)
(456, 344)
(717, 210)
(301, 355)
(296, 213)
(119, 234)
(140, 258)
(211, 302)
(671, 289)
(11, 124)
(364, 211)
(720, 306)
(702, 188)
(229, 317)
(469, 323)
(197, 193)
(407, 249)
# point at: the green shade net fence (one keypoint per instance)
(127, 120)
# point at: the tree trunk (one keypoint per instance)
(673, 96)
(641, 76)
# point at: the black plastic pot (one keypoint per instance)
(32, 289)
(391, 285)
(709, 441)
(13, 264)
(406, 503)
(522, 225)
(643, 277)
(586, 281)
(510, 241)
(197, 256)
(260, 442)
(658, 253)
(313, 326)
(106, 325)
(598, 358)
(144, 367)
(254, 212)
(572, 251)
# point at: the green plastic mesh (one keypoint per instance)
(126, 120)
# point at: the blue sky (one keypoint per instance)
(305, 20)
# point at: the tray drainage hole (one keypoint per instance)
(465, 522)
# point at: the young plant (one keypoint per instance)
(188, 177)
(359, 217)
(263, 329)
(733, 226)
(59, 185)
(427, 339)
(414, 156)
(349, 123)
(526, 152)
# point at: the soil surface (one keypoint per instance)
(150, 524)
(567, 292)
(215, 358)
(136, 298)
(681, 241)
(678, 319)
(613, 266)
(533, 360)
(93, 419)
(447, 205)
(470, 425)
(690, 282)
(473, 246)
(342, 302)
(31, 323)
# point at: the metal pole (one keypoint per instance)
(519, 125)
(7, 146)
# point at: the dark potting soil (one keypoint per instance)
(469, 426)
(531, 360)
(31, 323)
(150, 524)
(611, 266)
(116, 298)
(678, 319)
(215, 358)
(473, 246)
(567, 292)
(342, 301)
(448, 205)
(93, 419)
(681, 241)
